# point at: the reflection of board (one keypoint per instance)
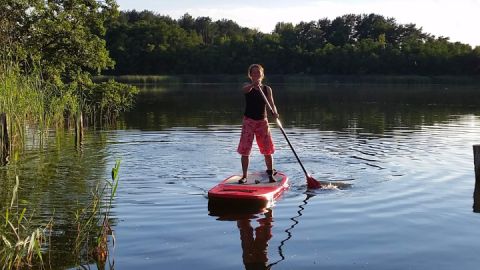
(257, 188)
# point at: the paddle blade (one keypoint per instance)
(312, 183)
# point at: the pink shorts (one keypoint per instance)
(261, 131)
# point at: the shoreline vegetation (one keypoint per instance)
(46, 81)
(291, 79)
(49, 52)
(26, 244)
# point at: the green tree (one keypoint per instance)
(342, 30)
(63, 38)
(148, 43)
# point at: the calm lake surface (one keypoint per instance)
(406, 150)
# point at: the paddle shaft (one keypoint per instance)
(284, 134)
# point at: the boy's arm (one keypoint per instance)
(247, 87)
(272, 103)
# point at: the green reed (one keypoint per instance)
(20, 98)
(294, 79)
(20, 242)
(24, 243)
(93, 221)
(140, 79)
(29, 101)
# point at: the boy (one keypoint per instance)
(255, 122)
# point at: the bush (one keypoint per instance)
(109, 99)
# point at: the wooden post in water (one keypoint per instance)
(4, 140)
(78, 128)
(476, 192)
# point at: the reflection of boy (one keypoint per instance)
(255, 248)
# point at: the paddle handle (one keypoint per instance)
(284, 133)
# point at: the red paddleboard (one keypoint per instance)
(256, 189)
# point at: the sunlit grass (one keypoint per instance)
(29, 102)
(20, 241)
(21, 99)
(93, 221)
(292, 79)
(25, 243)
(142, 79)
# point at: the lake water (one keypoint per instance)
(406, 151)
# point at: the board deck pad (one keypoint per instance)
(255, 179)
(257, 187)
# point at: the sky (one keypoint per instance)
(458, 20)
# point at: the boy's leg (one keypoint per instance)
(245, 146)
(269, 163)
(265, 142)
(245, 162)
(267, 148)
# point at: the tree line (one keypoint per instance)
(143, 42)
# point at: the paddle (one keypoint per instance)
(311, 182)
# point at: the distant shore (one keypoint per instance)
(292, 79)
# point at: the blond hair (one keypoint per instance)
(260, 68)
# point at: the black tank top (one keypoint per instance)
(255, 107)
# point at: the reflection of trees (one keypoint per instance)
(374, 108)
(55, 181)
(187, 106)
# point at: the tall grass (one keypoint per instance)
(292, 79)
(20, 242)
(93, 221)
(23, 243)
(21, 98)
(33, 104)
(29, 102)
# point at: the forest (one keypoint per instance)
(146, 43)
